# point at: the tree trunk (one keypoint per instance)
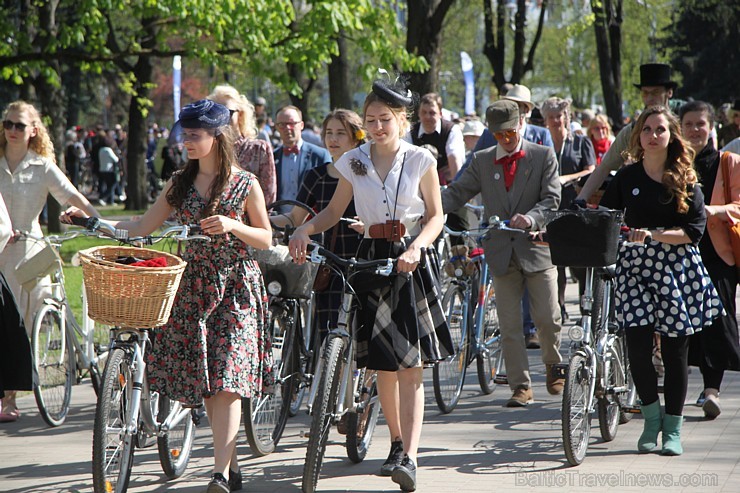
(52, 103)
(136, 184)
(495, 41)
(339, 95)
(608, 48)
(301, 101)
(423, 37)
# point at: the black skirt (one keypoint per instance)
(400, 322)
(717, 345)
(16, 368)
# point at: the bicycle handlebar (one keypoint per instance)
(319, 254)
(178, 233)
(494, 224)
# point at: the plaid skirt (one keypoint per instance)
(400, 324)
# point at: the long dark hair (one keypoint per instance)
(679, 170)
(183, 179)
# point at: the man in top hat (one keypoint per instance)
(518, 181)
(656, 88)
(730, 131)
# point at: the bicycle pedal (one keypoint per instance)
(501, 379)
(632, 409)
(559, 370)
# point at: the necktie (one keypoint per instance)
(509, 164)
(290, 150)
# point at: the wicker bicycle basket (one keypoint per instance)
(129, 296)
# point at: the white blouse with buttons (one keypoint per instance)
(375, 200)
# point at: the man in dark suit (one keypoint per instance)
(518, 181)
(295, 156)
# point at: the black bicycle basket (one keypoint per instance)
(584, 238)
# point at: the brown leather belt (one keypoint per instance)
(390, 230)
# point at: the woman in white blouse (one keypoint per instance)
(28, 174)
(394, 184)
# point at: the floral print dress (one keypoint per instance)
(214, 340)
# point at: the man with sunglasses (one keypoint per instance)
(518, 181)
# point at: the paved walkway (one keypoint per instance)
(480, 447)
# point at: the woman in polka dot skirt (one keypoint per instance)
(662, 285)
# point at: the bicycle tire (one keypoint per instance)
(490, 362)
(176, 445)
(55, 363)
(576, 418)
(449, 374)
(113, 448)
(629, 398)
(360, 427)
(323, 415)
(265, 417)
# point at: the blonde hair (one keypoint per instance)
(600, 118)
(400, 112)
(40, 143)
(679, 171)
(232, 99)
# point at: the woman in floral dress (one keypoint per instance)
(212, 349)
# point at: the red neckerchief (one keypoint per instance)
(600, 148)
(509, 164)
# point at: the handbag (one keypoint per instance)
(734, 229)
(323, 277)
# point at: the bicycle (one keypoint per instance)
(63, 349)
(128, 414)
(291, 320)
(340, 387)
(597, 374)
(470, 305)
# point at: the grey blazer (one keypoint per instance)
(536, 188)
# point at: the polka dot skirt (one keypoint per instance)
(666, 286)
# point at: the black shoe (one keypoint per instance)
(404, 475)
(218, 484)
(394, 459)
(235, 480)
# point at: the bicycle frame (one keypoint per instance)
(139, 388)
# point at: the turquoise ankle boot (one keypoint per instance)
(649, 438)
(672, 435)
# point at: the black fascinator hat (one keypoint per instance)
(394, 93)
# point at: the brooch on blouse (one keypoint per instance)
(358, 167)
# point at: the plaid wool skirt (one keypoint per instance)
(400, 324)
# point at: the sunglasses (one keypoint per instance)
(505, 135)
(9, 124)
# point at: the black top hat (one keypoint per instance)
(656, 74)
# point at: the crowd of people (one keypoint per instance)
(397, 180)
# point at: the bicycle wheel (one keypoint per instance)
(265, 417)
(323, 414)
(175, 445)
(490, 362)
(54, 358)
(449, 374)
(628, 398)
(360, 426)
(576, 417)
(113, 447)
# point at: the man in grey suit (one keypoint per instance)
(518, 180)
